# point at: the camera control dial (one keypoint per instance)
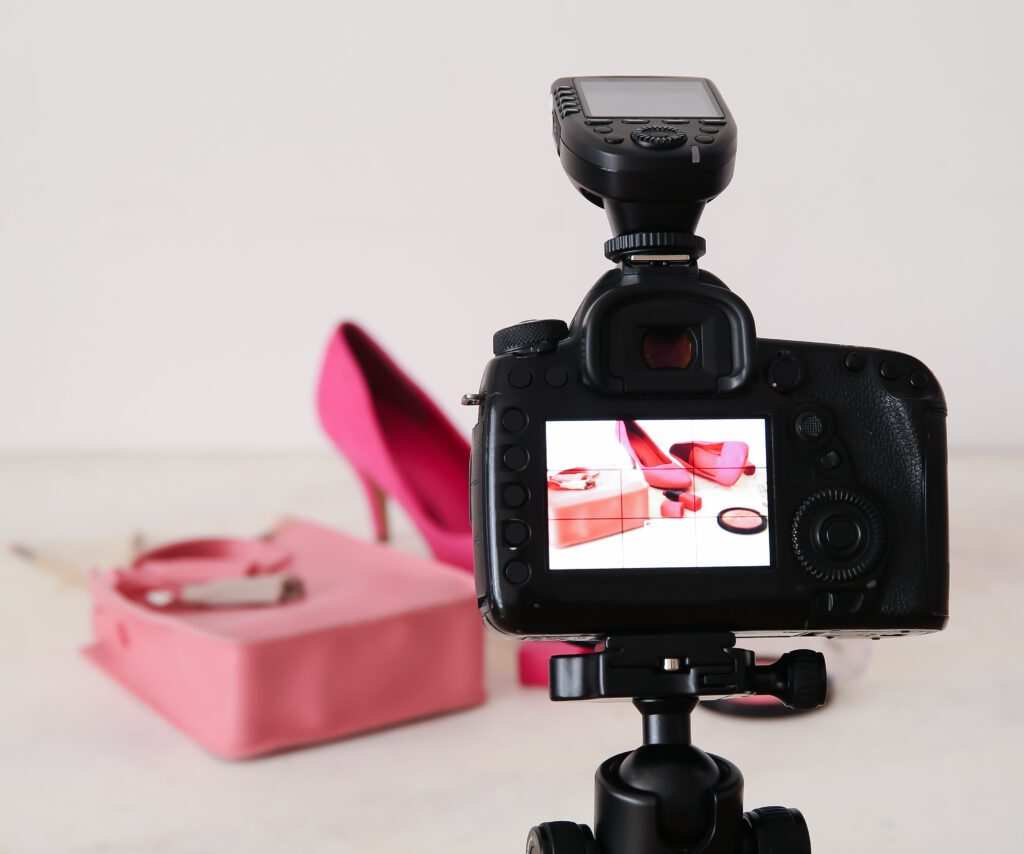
(838, 534)
(532, 336)
(658, 136)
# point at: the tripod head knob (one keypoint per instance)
(778, 830)
(798, 678)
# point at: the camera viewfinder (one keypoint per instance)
(672, 348)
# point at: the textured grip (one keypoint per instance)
(529, 334)
(665, 242)
(778, 830)
(808, 683)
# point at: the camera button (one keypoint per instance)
(514, 495)
(517, 572)
(514, 420)
(704, 139)
(889, 371)
(919, 378)
(842, 535)
(810, 426)
(855, 361)
(831, 460)
(785, 372)
(556, 377)
(839, 601)
(520, 377)
(517, 533)
(516, 458)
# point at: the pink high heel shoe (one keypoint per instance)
(402, 445)
(399, 442)
(660, 470)
(722, 462)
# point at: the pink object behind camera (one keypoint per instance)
(377, 638)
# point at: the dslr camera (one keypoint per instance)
(653, 467)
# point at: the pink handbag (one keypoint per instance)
(587, 505)
(376, 637)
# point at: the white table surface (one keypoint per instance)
(923, 753)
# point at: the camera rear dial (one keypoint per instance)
(838, 535)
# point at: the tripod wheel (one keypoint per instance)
(777, 830)
(560, 837)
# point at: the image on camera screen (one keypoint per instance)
(665, 493)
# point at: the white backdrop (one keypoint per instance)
(191, 194)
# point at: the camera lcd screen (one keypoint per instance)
(647, 96)
(658, 493)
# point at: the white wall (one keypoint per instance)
(191, 193)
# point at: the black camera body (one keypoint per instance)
(654, 467)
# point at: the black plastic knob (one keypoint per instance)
(530, 336)
(777, 830)
(659, 137)
(654, 242)
(808, 679)
(798, 678)
(560, 837)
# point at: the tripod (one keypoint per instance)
(668, 796)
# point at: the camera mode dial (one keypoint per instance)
(838, 534)
(531, 336)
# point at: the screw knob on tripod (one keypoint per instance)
(798, 678)
(777, 830)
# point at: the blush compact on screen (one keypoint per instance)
(742, 520)
(658, 493)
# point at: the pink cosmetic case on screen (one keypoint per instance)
(586, 505)
(375, 638)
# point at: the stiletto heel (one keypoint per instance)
(659, 470)
(403, 447)
(399, 442)
(378, 501)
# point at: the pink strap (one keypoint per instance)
(198, 561)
